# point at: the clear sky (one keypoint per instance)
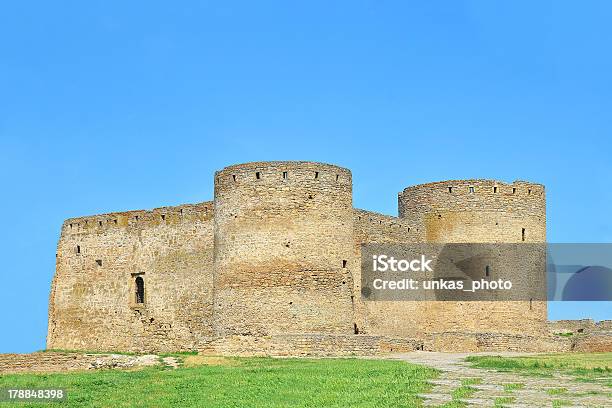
(119, 105)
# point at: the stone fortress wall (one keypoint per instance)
(276, 255)
(92, 304)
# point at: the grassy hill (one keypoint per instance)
(239, 382)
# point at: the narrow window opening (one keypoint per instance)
(531, 304)
(234, 177)
(257, 175)
(78, 249)
(495, 189)
(523, 234)
(285, 175)
(100, 223)
(70, 225)
(337, 177)
(140, 290)
(163, 217)
(99, 262)
(529, 191)
(136, 218)
(408, 229)
(355, 328)
(316, 174)
(344, 263)
(471, 189)
(115, 222)
(450, 189)
(513, 190)
(487, 271)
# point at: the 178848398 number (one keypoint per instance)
(32, 394)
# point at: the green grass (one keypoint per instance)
(587, 393)
(503, 401)
(513, 386)
(471, 381)
(462, 392)
(561, 403)
(584, 366)
(556, 391)
(252, 382)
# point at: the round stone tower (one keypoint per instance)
(479, 211)
(283, 241)
(476, 211)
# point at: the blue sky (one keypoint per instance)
(108, 106)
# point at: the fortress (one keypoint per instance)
(272, 265)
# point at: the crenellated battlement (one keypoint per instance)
(473, 195)
(482, 187)
(374, 227)
(283, 172)
(374, 218)
(139, 218)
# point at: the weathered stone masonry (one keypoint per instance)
(276, 256)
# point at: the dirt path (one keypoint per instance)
(506, 389)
